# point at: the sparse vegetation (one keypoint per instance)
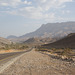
(14, 46)
(65, 53)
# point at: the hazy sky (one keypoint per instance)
(18, 17)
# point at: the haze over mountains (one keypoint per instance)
(47, 33)
(12, 37)
(50, 30)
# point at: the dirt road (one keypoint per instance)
(35, 63)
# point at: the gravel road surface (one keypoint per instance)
(35, 63)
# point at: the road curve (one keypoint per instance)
(7, 59)
(7, 56)
(36, 63)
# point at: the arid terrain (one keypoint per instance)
(36, 63)
(53, 55)
(37, 37)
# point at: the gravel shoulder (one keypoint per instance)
(35, 63)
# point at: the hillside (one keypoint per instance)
(3, 42)
(39, 41)
(32, 41)
(66, 42)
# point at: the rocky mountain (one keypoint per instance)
(66, 42)
(50, 30)
(4, 42)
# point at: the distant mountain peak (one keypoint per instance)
(11, 36)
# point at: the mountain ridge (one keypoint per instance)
(51, 30)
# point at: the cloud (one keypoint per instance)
(4, 4)
(48, 4)
(42, 9)
(66, 12)
(9, 2)
(26, 2)
(43, 1)
(30, 12)
(13, 3)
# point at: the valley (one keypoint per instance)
(46, 51)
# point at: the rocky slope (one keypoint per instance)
(39, 41)
(66, 42)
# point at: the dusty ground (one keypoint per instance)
(35, 63)
(9, 51)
